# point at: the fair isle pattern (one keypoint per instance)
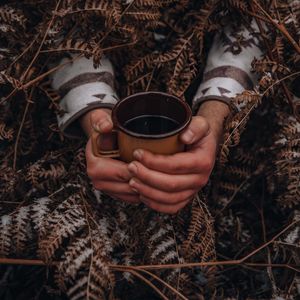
(228, 69)
(83, 88)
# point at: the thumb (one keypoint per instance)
(197, 129)
(101, 120)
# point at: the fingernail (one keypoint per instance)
(134, 190)
(102, 125)
(132, 168)
(188, 136)
(132, 183)
(106, 123)
(138, 154)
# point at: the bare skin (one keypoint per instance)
(165, 183)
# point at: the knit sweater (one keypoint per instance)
(227, 73)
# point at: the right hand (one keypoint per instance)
(108, 175)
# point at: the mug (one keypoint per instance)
(147, 120)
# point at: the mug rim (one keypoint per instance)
(187, 121)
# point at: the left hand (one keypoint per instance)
(166, 183)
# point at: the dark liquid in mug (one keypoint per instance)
(151, 124)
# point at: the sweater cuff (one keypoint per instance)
(82, 88)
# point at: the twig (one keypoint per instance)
(281, 81)
(20, 129)
(42, 76)
(145, 280)
(263, 225)
(280, 27)
(164, 283)
(8, 96)
(42, 42)
(26, 262)
(232, 197)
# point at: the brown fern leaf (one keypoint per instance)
(71, 45)
(116, 11)
(239, 4)
(200, 239)
(53, 96)
(134, 69)
(161, 246)
(153, 3)
(76, 257)
(202, 20)
(12, 15)
(39, 211)
(67, 219)
(5, 235)
(96, 4)
(150, 15)
(6, 133)
(278, 50)
(174, 53)
(20, 230)
(241, 171)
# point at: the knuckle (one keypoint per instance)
(177, 168)
(178, 197)
(172, 185)
(121, 177)
(98, 185)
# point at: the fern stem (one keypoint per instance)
(25, 262)
(280, 27)
(20, 128)
(146, 281)
(42, 43)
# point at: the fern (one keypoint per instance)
(61, 226)
(11, 15)
(200, 237)
(21, 230)
(5, 235)
(6, 133)
(39, 212)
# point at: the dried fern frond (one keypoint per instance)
(5, 235)
(60, 227)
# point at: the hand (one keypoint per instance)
(108, 175)
(166, 183)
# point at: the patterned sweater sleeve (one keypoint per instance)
(82, 88)
(228, 69)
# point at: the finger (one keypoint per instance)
(160, 196)
(126, 198)
(166, 182)
(191, 162)
(197, 129)
(163, 208)
(114, 187)
(105, 168)
(101, 120)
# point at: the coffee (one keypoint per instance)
(151, 124)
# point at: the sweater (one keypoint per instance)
(227, 73)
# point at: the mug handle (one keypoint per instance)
(98, 138)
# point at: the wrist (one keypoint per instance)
(215, 113)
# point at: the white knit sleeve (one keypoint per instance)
(228, 68)
(82, 88)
